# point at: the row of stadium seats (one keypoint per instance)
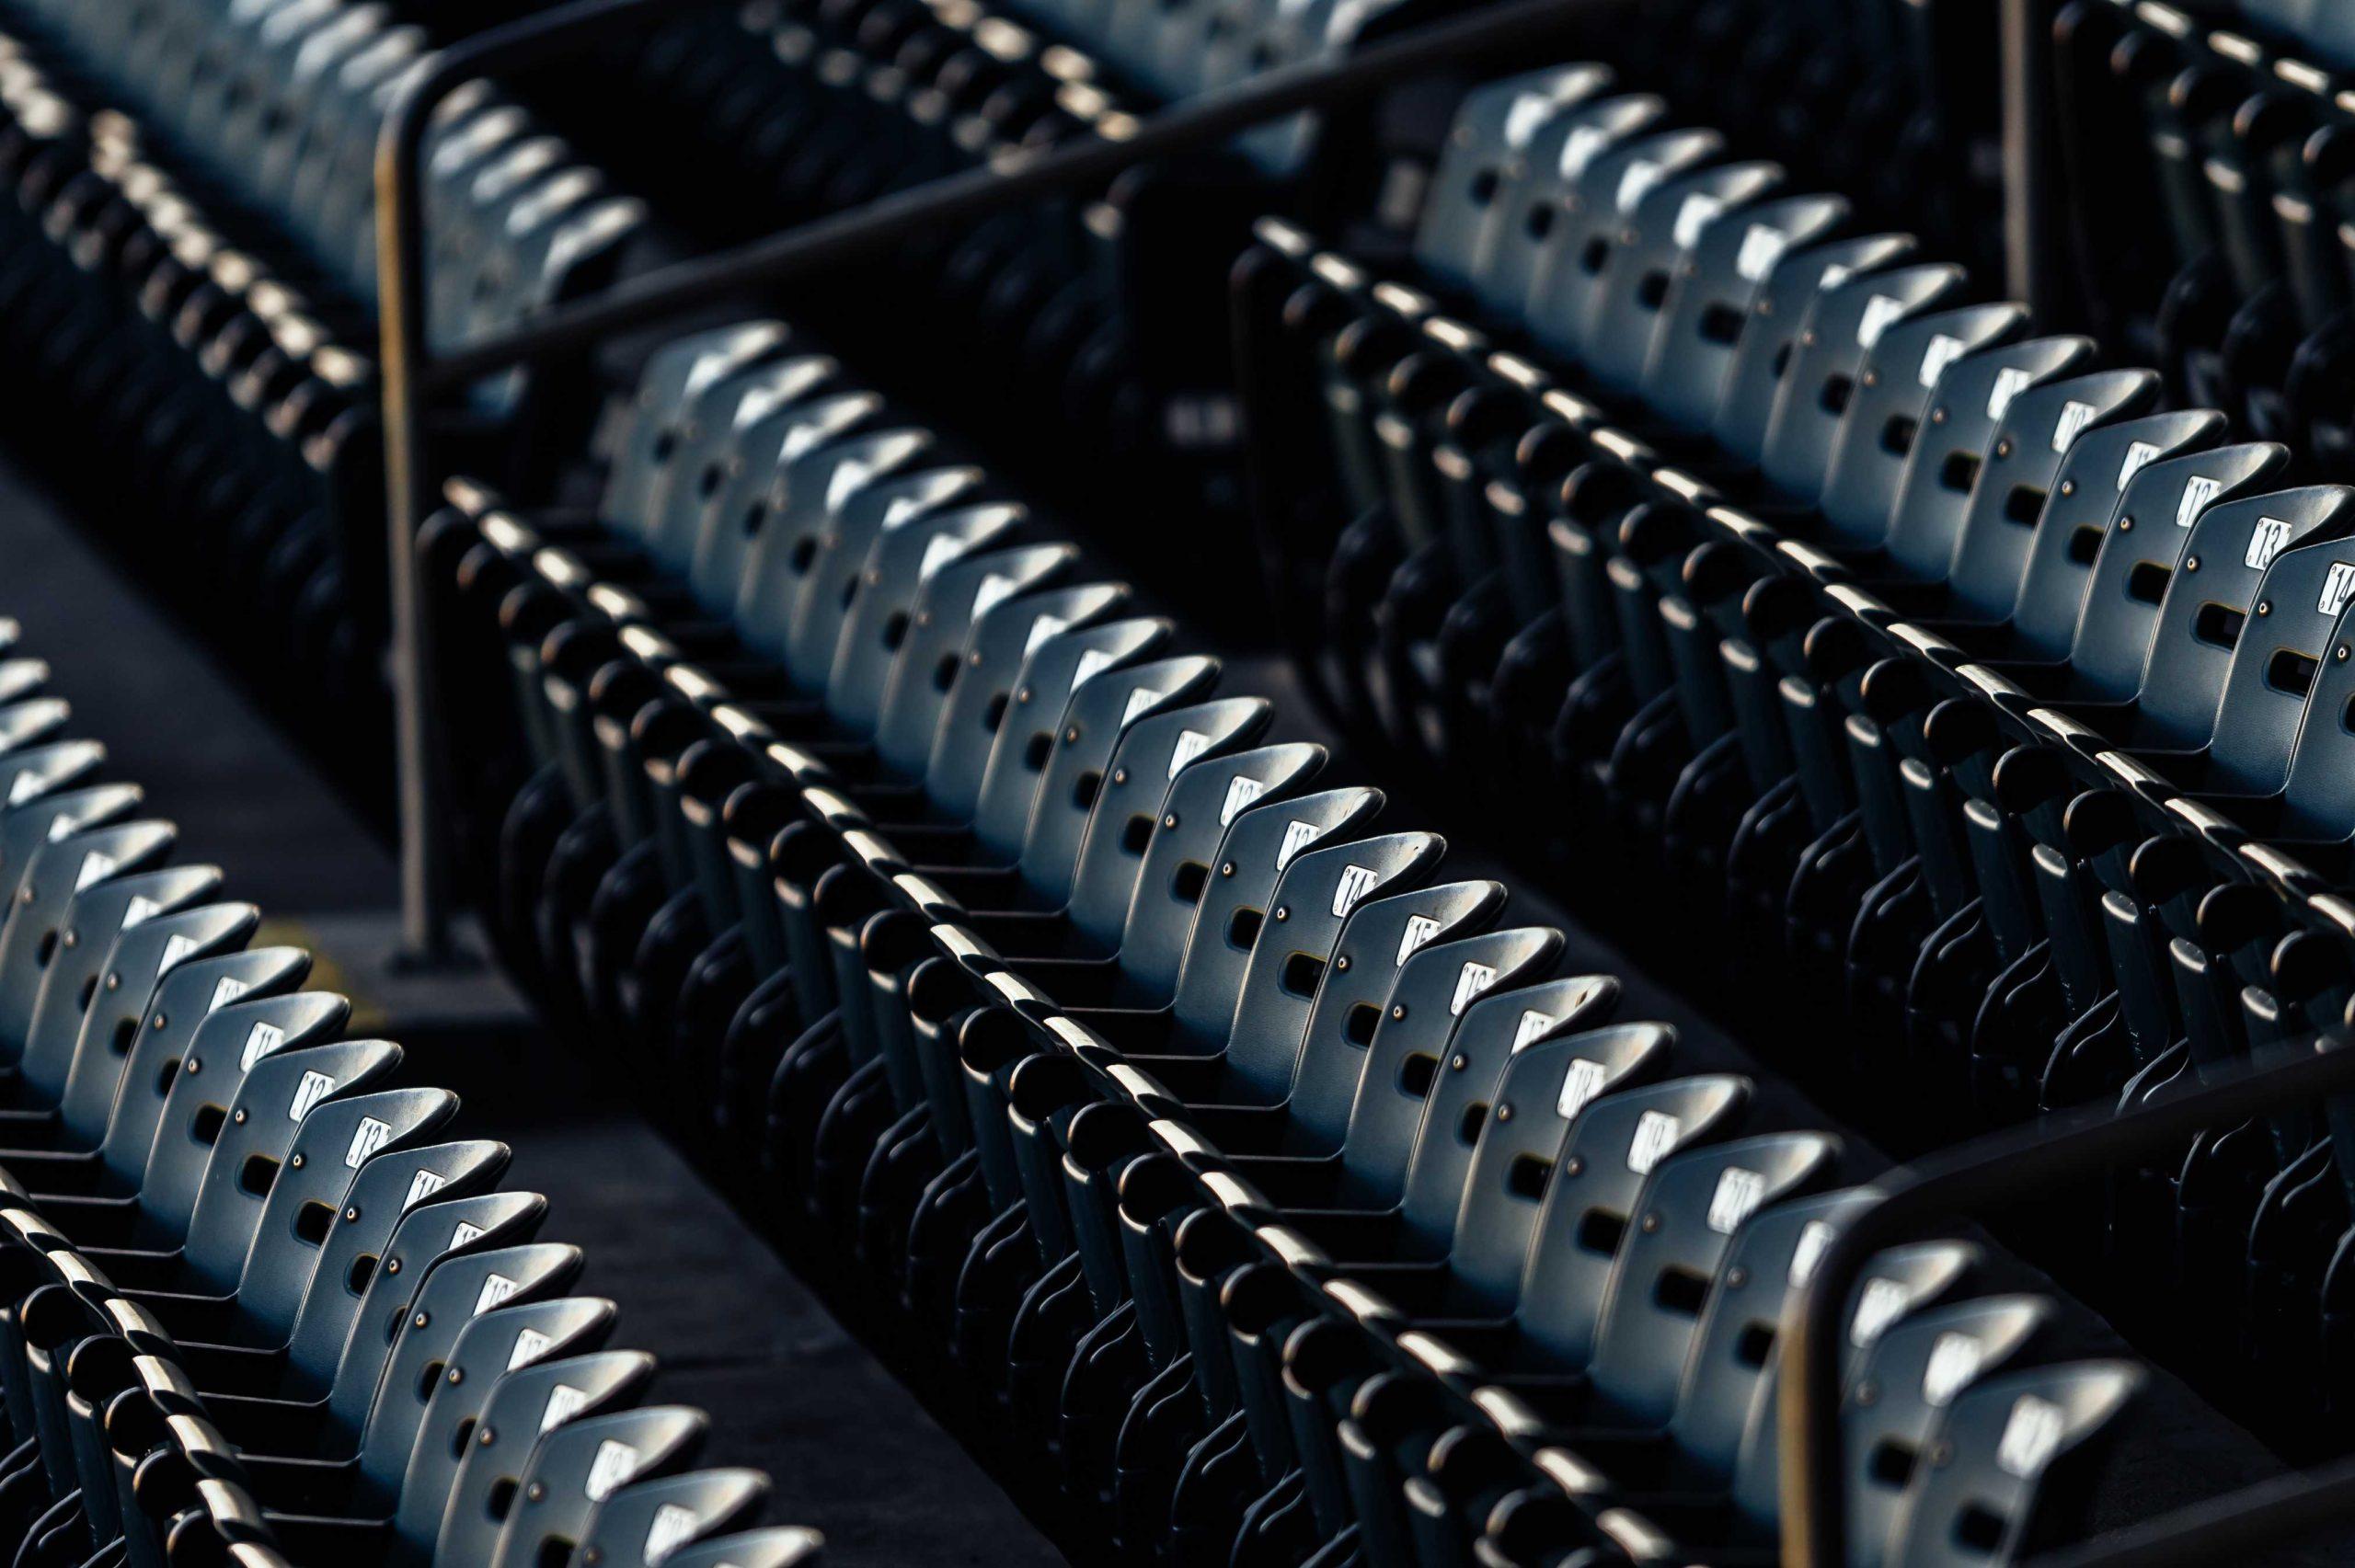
(2010, 711)
(205, 381)
(1108, 312)
(790, 111)
(280, 105)
(259, 1307)
(1975, 714)
(2221, 164)
(216, 417)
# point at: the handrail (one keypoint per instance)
(2007, 1165)
(2030, 251)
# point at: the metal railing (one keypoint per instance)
(1992, 1170)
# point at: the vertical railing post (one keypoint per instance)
(425, 850)
(406, 377)
(2031, 270)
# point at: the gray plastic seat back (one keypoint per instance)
(891, 598)
(1129, 804)
(144, 958)
(2045, 603)
(783, 567)
(97, 919)
(1181, 857)
(451, 1365)
(462, 1519)
(1904, 1356)
(1579, 1212)
(1312, 899)
(47, 816)
(1710, 310)
(931, 659)
(28, 774)
(1053, 675)
(1535, 203)
(1406, 1054)
(2145, 543)
(1734, 1346)
(1676, 1255)
(1079, 760)
(1769, 341)
(1891, 410)
(2015, 1449)
(580, 1465)
(1656, 255)
(1965, 427)
(646, 1523)
(1498, 1027)
(177, 1097)
(2018, 484)
(265, 1123)
(773, 405)
(1240, 897)
(2301, 613)
(339, 1141)
(712, 443)
(1466, 209)
(980, 703)
(390, 1185)
(1565, 299)
(840, 576)
(739, 551)
(60, 869)
(447, 1263)
(664, 407)
(1844, 324)
(1375, 944)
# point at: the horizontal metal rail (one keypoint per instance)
(2009, 1165)
(1016, 177)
